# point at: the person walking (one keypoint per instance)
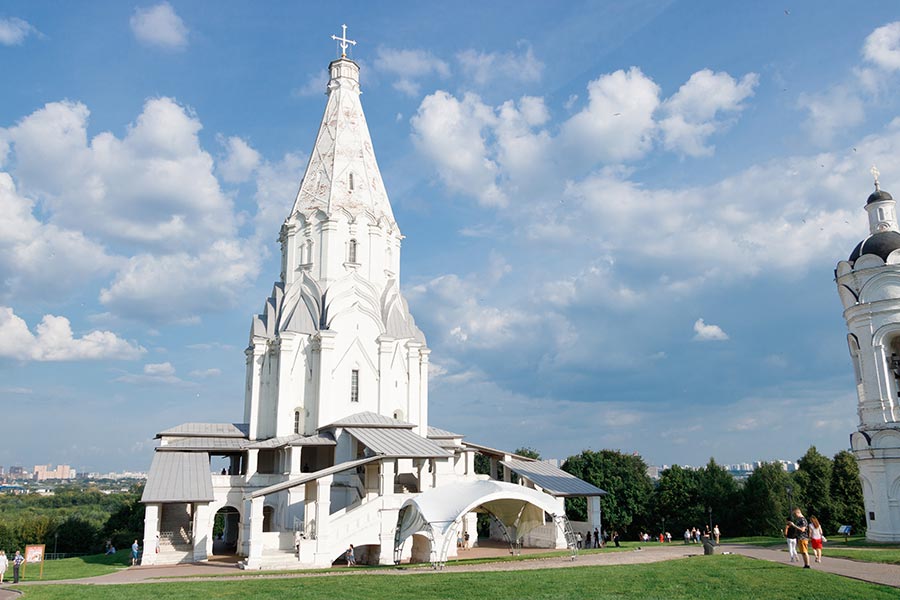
(18, 561)
(801, 525)
(4, 564)
(791, 536)
(716, 533)
(351, 556)
(598, 541)
(816, 537)
(135, 552)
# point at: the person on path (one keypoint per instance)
(598, 541)
(351, 556)
(716, 533)
(135, 552)
(18, 561)
(4, 564)
(801, 525)
(687, 536)
(816, 537)
(616, 538)
(790, 535)
(578, 539)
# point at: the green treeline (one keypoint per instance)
(828, 488)
(71, 520)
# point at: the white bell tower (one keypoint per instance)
(869, 286)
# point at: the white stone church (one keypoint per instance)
(335, 446)
(869, 286)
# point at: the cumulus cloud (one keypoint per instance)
(54, 341)
(159, 26)
(13, 31)
(831, 112)
(409, 66)
(316, 85)
(707, 332)
(204, 373)
(617, 123)
(882, 47)
(485, 67)
(153, 373)
(692, 113)
(240, 160)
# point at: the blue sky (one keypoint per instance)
(621, 219)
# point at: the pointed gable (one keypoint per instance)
(342, 172)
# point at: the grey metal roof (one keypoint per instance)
(207, 430)
(307, 477)
(435, 433)
(396, 442)
(369, 419)
(296, 439)
(179, 477)
(209, 444)
(552, 479)
(487, 450)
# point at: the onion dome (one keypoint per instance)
(879, 196)
(880, 244)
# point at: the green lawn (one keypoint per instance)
(76, 568)
(856, 548)
(698, 578)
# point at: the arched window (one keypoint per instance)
(268, 517)
(388, 259)
(309, 252)
(398, 415)
(853, 343)
(351, 182)
(296, 421)
(351, 251)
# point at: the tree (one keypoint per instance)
(528, 452)
(624, 476)
(764, 500)
(677, 499)
(814, 476)
(719, 492)
(846, 492)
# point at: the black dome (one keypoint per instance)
(879, 196)
(880, 244)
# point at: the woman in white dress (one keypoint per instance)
(4, 564)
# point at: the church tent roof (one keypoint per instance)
(207, 430)
(552, 479)
(388, 441)
(307, 477)
(369, 419)
(179, 477)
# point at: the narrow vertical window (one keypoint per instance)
(351, 252)
(296, 421)
(351, 182)
(309, 252)
(354, 385)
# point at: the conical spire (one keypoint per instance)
(342, 172)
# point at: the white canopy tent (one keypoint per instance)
(437, 513)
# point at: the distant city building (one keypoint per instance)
(16, 472)
(44, 472)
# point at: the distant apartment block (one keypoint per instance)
(44, 472)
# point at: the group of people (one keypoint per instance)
(17, 562)
(695, 535)
(801, 534)
(598, 540)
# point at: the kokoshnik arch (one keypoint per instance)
(335, 438)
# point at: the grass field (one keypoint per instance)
(77, 568)
(706, 578)
(856, 548)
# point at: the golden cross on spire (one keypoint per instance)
(345, 43)
(875, 173)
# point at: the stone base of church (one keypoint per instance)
(878, 455)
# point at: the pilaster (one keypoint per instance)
(323, 406)
(151, 533)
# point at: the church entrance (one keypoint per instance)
(226, 525)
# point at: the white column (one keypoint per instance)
(412, 407)
(388, 472)
(594, 516)
(324, 415)
(257, 354)
(423, 392)
(385, 350)
(202, 531)
(151, 533)
(254, 530)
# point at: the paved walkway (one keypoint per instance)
(872, 572)
(865, 571)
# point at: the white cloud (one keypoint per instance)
(54, 341)
(204, 373)
(180, 287)
(316, 85)
(706, 332)
(830, 112)
(13, 31)
(159, 26)
(691, 113)
(154, 187)
(882, 47)
(617, 124)
(484, 67)
(409, 66)
(153, 373)
(38, 259)
(449, 132)
(240, 160)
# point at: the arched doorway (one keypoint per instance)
(226, 527)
